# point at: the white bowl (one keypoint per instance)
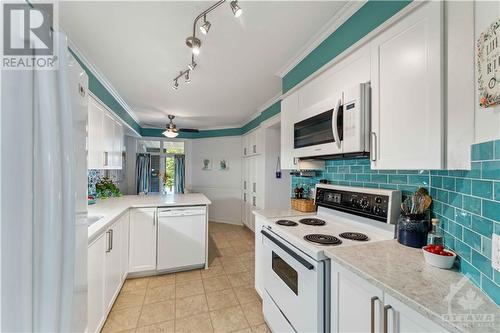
(437, 260)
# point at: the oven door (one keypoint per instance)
(321, 133)
(295, 286)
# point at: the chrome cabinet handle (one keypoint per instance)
(112, 235)
(244, 151)
(254, 148)
(155, 216)
(295, 160)
(386, 309)
(373, 146)
(245, 185)
(335, 116)
(255, 187)
(372, 313)
(253, 201)
(109, 241)
(244, 197)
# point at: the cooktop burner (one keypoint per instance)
(312, 221)
(323, 239)
(357, 236)
(287, 223)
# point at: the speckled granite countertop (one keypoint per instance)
(274, 213)
(403, 273)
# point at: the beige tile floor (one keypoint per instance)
(219, 299)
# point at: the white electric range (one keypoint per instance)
(296, 272)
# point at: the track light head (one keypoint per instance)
(187, 79)
(205, 26)
(192, 65)
(194, 43)
(237, 11)
(176, 85)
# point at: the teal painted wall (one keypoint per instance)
(366, 19)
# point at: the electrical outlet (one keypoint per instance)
(495, 252)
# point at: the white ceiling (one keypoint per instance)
(140, 47)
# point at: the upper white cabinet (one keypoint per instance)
(105, 138)
(251, 143)
(289, 109)
(407, 92)
(142, 251)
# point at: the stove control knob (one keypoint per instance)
(364, 203)
(378, 200)
(377, 210)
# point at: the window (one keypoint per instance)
(162, 162)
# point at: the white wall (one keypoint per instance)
(223, 188)
(487, 120)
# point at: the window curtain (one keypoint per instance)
(179, 163)
(143, 173)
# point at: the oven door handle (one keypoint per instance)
(335, 117)
(282, 246)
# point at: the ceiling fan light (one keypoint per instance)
(237, 11)
(176, 85)
(170, 134)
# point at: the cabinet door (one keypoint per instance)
(289, 109)
(351, 298)
(108, 138)
(113, 273)
(259, 283)
(142, 252)
(117, 145)
(95, 275)
(125, 228)
(94, 135)
(407, 110)
(400, 318)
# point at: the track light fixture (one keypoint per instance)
(205, 26)
(194, 43)
(237, 11)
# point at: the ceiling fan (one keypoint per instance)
(171, 130)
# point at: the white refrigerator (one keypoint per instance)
(44, 197)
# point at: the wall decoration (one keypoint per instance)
(488, 66)
(223, 166)
(207, 164)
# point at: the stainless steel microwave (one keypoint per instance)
(339, 125)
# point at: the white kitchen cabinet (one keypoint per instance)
(125, 231)
(289, 109)
(351, 299)
(105, 138)
(94, 135)
(112, 262)
(259, 279)
(407, 92)
(356, 305)
(142, 250)
(95, 276)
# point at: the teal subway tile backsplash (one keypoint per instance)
(467, 202)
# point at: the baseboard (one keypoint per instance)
(224, 221)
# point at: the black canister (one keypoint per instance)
(411, 230)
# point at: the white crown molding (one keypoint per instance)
(98, 74)
(362, 42)
(336, 21)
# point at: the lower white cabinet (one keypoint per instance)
(359, 306)
(259, 283)
(95, 278)
(142, 251)
(105, 271)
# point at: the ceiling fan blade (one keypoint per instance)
(189, 130)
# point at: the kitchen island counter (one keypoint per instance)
(403, 273)
(112, 208)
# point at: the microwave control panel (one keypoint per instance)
(363, 204)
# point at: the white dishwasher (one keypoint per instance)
(181, 237)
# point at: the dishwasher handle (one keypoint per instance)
(181, 212)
